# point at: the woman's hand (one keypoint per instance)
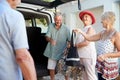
(102, 57)
(77, 30)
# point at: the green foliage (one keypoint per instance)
(48, 0)
(43, 20)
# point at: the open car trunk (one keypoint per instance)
(47, 3)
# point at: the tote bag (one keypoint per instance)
(72, 57)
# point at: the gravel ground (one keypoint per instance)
(57, 77)
(61, 77)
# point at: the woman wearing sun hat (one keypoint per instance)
(86, 49)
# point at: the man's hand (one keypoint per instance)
(53, 42)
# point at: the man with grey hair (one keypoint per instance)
(58, 36)
(15, 60)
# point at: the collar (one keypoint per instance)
(60, 25)
(87, 26)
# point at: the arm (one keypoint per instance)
(117, 45)
(49, 35)
(23, 57)
(53, 42)
(82, 44)
(90, 33)
(89, 37)
(86, 42)
(48, 38)
(116, 42)
(26, 64)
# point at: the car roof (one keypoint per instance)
(47, 3)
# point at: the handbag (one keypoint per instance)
(74, 72)
(69, 64)
(73, 57)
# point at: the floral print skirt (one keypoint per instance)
(109, 69)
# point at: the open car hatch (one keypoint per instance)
(47, 3)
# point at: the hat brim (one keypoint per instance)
(81, 14)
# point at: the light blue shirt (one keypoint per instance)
(61, 37)
(12, 36)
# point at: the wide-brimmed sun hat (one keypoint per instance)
(82, 13)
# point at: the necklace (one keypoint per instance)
(107, 34)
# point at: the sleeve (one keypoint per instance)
(49, 32)
(19, 36)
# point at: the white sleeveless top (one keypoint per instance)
(109, 68)
(88, 51)
(106, 46)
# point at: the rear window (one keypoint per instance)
(35, 18)
(42, 23)
(38, 22)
